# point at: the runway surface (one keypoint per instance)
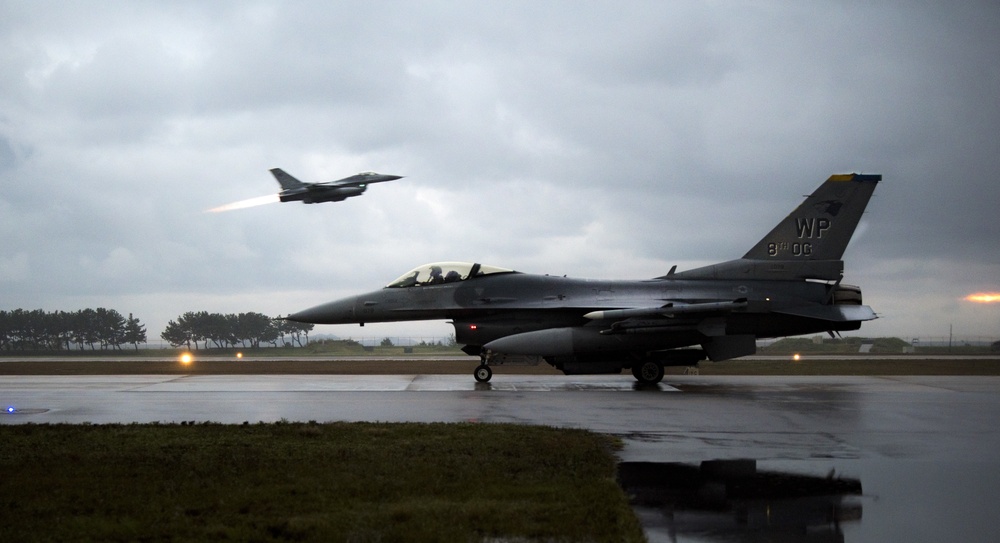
(924, 449)
(172, 357)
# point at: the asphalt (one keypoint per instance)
(802, 458)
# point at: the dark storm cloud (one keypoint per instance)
(611, 141)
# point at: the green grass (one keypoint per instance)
(309, 482)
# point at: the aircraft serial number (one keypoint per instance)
(797, 249)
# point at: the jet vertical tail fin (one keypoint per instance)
(821, 227)
(286, 181)
(809, 243)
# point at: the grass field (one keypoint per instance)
(310, 482)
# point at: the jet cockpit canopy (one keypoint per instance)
(444, 272)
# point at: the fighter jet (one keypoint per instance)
(788, 284)
(333, 191)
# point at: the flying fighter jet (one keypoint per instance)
(788, 284)
(333, 191)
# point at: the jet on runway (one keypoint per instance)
(788, 284)
(332, 191)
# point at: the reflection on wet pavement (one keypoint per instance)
(730, 500)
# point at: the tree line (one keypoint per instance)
(107, 329)
(37, 330)
(232, 330)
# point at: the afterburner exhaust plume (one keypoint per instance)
(984, 297)
(252, 202)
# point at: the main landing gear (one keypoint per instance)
(483, 373)
(649, 372)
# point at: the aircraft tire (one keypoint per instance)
(483, 373)
(649, 372)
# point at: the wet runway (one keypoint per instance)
(923, 450)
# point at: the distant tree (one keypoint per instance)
(270, 332)
(256, 328)
(297, 330)
(110, 328)
(5, 331)
(194, 324)
(231, 330)
(215, 327)
(38, 329)
(306, 328)
(236, 332)
(85, 328)
(135, 332)
(29, 328)
(386, 342)
(13, 329)
(61, 328)
(176, 334)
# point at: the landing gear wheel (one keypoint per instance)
(648, 373)
(483, 373)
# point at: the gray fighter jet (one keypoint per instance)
(788, 284)
(333, 191)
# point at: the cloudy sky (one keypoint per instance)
(594, 139)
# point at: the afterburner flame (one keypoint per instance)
(984, 297)
(251, 202)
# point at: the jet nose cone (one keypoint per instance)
(375, 177)
(337, 312)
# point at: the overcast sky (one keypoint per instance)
(592, 139)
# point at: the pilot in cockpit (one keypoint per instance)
(435, 277)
